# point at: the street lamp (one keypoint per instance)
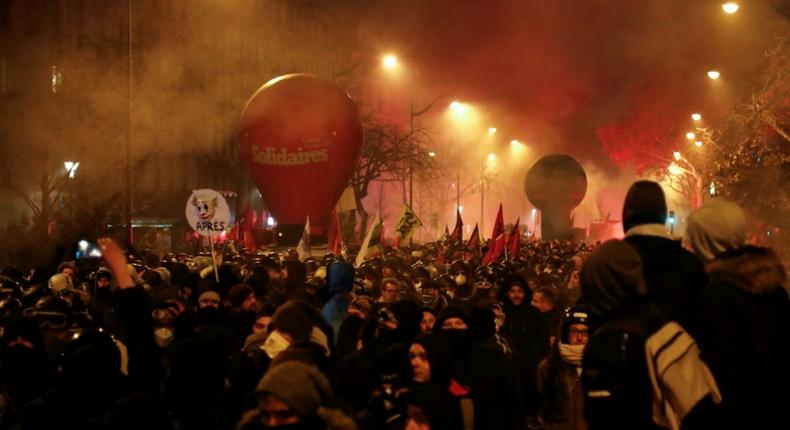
(690, 135)
(698, 144)
(389, 61)
(696, 116)
(71, 168)
(413, 114)
(677, 155)
(730, 7)
(714, 74)
(492, 130)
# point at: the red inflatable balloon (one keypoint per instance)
(300, 139)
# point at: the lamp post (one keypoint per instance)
(413, 114)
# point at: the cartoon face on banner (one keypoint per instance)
(208, 212)
(300, 138)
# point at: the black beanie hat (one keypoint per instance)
(238, 294)
(644, 204)
(292, 318)
(409, 316)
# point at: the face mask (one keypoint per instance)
(275, 344)
(460, 280)
(163, 337)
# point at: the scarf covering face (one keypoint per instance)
(572, 354)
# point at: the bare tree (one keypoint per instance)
(387, 154)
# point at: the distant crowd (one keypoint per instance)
(648, 332)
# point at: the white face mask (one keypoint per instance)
(275, 344)
(460, 280)
(163, 337)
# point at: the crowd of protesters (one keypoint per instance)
(643, 333)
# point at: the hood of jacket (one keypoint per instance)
(751, 269)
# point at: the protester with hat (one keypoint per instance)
(674, 277)
(745, 315)
(559, 375)
(297, 395)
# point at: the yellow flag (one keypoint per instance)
(407, 224)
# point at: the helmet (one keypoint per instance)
(60, 282)
(459, 266)
(579, 314)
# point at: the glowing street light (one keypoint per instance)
(690, 135)
(432, 154)
(492, 130)
(491, 157)
(677, 155)
(696, 116)
(674, 169)
(730, 7)
(698, 144)
(714, 74)
(71, 168)
(458, 108)
(389, 61)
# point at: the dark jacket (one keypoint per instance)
(526, 329)
(745, 337)
(563, 398)
(674, 278)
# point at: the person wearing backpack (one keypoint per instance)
(640, 369)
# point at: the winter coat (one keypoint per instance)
(563, 398)
(674, 277)
(745, 336)
(526, 330)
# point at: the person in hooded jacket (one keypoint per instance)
(484, 374)
(674, 276)
(525, 329)
(340, 277)
(745, 316)
(388, 329)
(615, 378)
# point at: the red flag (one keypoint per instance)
(235, 232)
(497, 236)
(248, 237)
(334, 240)
(457, 236)
(474, 244)
(514, 241)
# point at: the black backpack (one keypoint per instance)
(615, 379)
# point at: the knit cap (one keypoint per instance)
(644, 204)
(238, 294)
(302, 387)
(718, 226)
